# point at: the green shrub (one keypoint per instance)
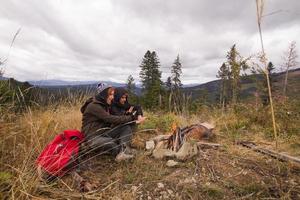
(162, 122)
(14, 96)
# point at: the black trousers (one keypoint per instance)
(111, 141)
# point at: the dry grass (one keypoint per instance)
(214, 174)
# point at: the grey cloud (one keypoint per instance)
(105, 39)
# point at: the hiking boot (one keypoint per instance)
(123, 156)
(130, 150)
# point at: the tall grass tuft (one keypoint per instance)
(259, 11)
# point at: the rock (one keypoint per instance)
(170, 192)
(161, 153)
(172, 163)
(161, 145)
(164, 194)
(150, 145)
(160, 185)
(207, 125)
(134, 189)
(159, 138)
(148, 153)
(186, 151)
(188, 181)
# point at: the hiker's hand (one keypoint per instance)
(140, 119)
(130, 109)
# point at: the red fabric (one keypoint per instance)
(60, 152)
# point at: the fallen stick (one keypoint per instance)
(146, 130)
(274, 154)
(29, 195)
(69, 194)
(206, 144)
(110, 185)
(83, 184)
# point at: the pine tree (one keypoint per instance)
(151, 80)
(224, 75)
(145, 73)
(130, 85)
(236, 64)
(270, 69)
(176, 96)
(263, 87)
(169, 87)
(169, 84)
(176, 73)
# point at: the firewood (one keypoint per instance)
(206, 144)
(177, 140)
(274, 154)
(84, 185)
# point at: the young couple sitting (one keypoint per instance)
(108, 121)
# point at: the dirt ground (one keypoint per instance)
(228, 172)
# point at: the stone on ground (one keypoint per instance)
(186, 151)
(172, 163)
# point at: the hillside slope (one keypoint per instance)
(211, 90)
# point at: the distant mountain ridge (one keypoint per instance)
(55, 82)
(209, 91)
(3, 78)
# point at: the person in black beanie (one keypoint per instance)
(121, 106)
(104, 131)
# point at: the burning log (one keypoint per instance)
(193, 132)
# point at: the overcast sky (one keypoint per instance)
(107, 39)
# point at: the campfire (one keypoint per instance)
(182, 143)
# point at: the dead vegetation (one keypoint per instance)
(226, 172)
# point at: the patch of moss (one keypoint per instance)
(245, 189)
(213, 191)
(5, 177)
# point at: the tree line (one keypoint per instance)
(156, 93)
(159, 94)
(235, 67)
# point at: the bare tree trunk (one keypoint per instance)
(159, 100)
(170, 101)
(291, 61)
(285, 81)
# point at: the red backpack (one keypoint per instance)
(60, 153)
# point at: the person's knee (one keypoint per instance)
(127, 131)
(101, 143)
(125, 134)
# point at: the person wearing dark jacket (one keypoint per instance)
(121, 106)
(104, 131)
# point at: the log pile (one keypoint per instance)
(194, 132)
(182, 143)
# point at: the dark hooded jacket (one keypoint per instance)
(121, 109)
(96, 115)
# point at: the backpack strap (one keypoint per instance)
(72, 134)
